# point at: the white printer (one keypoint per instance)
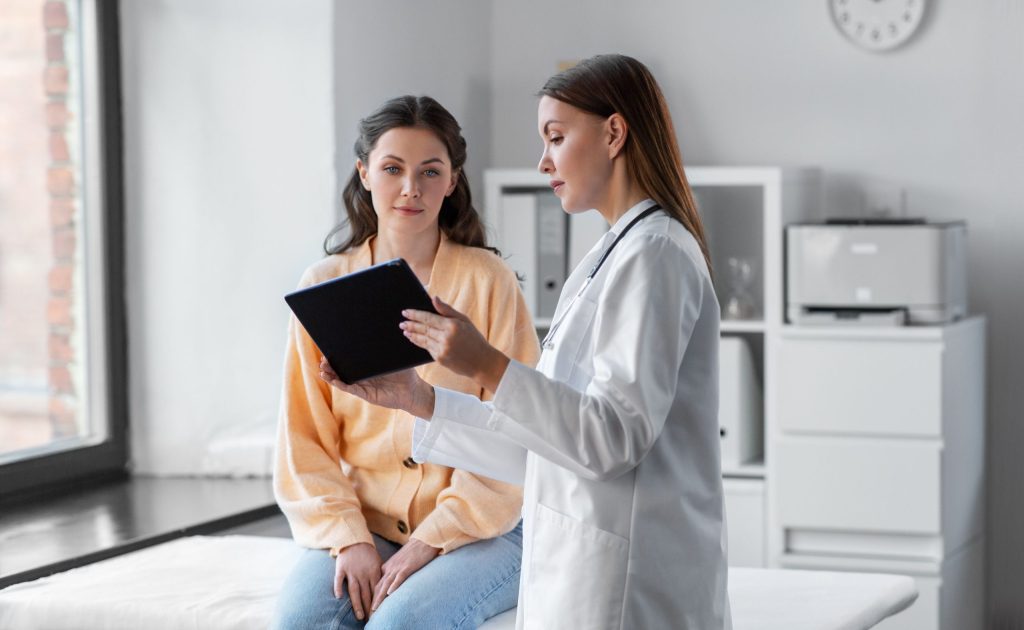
(885, 272)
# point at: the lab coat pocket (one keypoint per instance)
(577, 574)
(570, 357)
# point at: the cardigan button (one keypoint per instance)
(409, 462)
(402, 527)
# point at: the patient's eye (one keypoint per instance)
(431, 172)
(391, 170)
(555, 140)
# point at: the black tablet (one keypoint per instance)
(354, 319)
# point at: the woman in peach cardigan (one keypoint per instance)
(393, 543)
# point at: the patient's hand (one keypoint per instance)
(412, 557)
(403, 390)
(359, 565)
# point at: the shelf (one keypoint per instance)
(753, 470)
(741, 326)
(733, 176)
(793, 331)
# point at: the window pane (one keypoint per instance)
(44, 383)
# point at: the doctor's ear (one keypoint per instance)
(617, 131)
(361, 169)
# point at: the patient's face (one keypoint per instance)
(408, 174)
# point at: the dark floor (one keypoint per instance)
(275, 526)
(41, 537)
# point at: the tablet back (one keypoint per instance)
(354, 319)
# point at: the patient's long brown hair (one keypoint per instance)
(458, 220)
(608, 84)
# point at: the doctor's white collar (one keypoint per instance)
(630, 215)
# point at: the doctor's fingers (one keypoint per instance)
(430, 319)
(437, 333)
(426, 342)
(447, 310)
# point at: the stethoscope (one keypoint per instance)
(548, 342)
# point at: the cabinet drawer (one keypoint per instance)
(858, 485)
(744, 518)
(859, 386)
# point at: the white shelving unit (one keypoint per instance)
(744, 210)
(742, 327)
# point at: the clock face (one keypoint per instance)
(877, 24)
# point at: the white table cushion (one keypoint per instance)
(778, 599)
(228, 582)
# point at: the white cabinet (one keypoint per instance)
(878, 460)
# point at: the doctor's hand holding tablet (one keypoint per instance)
(452, 341)
(614, 435)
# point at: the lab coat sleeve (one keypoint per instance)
(457, 436)
(646, 314)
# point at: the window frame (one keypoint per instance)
(93, 463)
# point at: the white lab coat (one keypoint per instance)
(615, 439)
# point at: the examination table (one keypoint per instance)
(229, 582)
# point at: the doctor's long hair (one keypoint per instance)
(458, 219)
(606, 84)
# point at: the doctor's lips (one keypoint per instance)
(556, 184)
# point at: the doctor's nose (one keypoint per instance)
(545, 165)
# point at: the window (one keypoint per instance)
(62, 347)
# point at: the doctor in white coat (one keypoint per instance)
(615, 434)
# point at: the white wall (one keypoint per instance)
(229, 139)
(774, 83)
(232, 184)
(438, 49)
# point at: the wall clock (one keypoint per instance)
(877, 25)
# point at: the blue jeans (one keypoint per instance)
(460, 589)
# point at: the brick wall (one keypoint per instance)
(62, 187)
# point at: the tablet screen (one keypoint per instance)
(354, 319)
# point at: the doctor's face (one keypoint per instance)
(575, 154)
(408, 174)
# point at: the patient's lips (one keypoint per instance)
(557, 184)
(408, 211)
